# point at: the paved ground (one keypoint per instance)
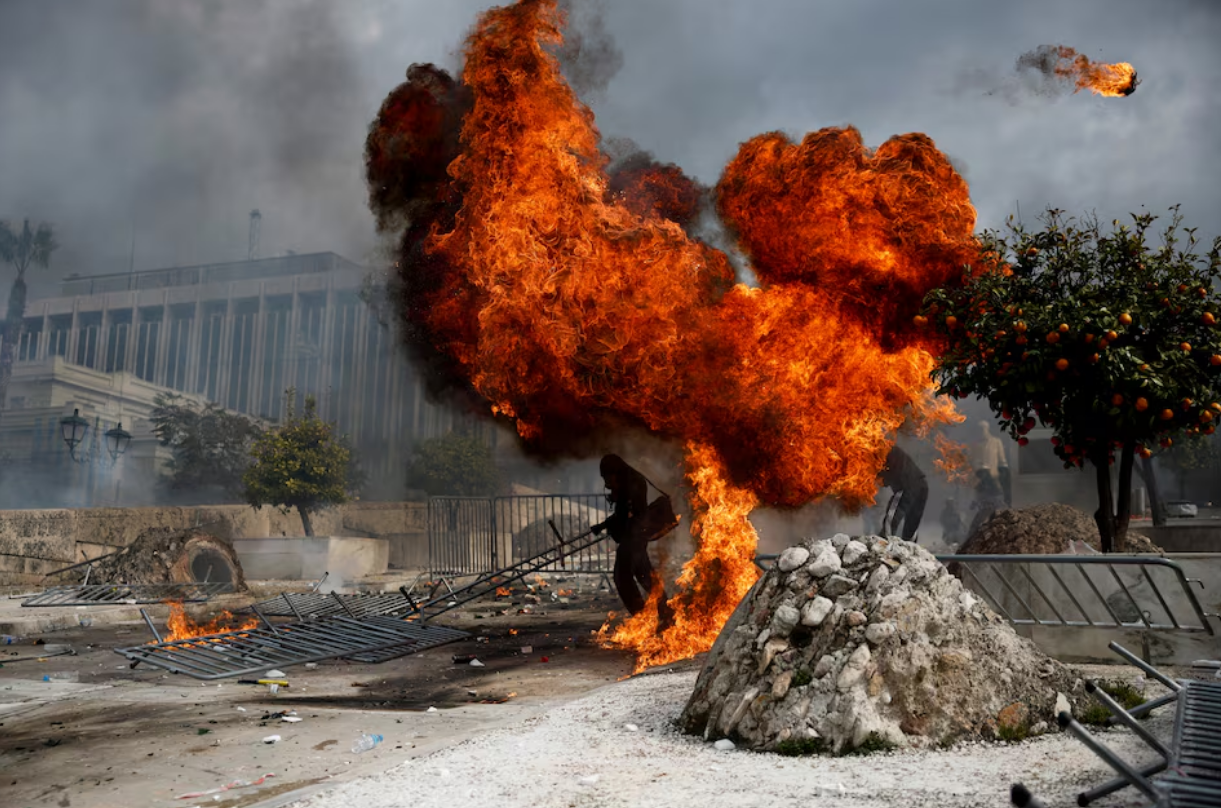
(122, 737)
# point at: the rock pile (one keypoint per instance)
(868, 642)
(1042, 529)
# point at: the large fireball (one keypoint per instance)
(568, 301)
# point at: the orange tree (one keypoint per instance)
(1109, 339)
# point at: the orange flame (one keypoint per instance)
(1066, 64)
(501, 592)
(571, 304)
(182, 627)
(954, 461)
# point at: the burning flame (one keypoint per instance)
(1062, 63)
(501, 592)
(182, 627)
(954, 461)
(572, 300)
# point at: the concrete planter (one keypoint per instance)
(345, 558)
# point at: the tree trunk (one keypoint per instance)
(1149, 477)
(1123, 506)
(1105, 515)
(305, 522)
(14, 324)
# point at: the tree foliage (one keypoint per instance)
(300, 464)
(1108, 338)
(211, 447)
(24, 248)
(456, 464)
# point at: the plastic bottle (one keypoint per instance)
(365, 742)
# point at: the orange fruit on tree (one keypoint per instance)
(1187, 402)
(950, 321)
(920, 320)
(1021, 340)
(1205, 416)
(1215, 360)
(1208, 318)
(1019, 327)
(1142, 404)
(1144, 452)
(1182, 288)
(1089, 338)
(1116, 399)
(1167, 414)
(1053, 337)
(1125, 319)
(1215, 406)
(1202, 292)
(1208, 430)
(1144, 368)
(1112, 336)
(1094, 359)
(1185, 347)
(1007, 272)
(1061, 364)
(1063, 328)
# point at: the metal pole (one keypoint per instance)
(151, 627)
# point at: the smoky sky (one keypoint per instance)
(172, 120)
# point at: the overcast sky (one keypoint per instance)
(170, 120)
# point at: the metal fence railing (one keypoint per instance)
(479, 535)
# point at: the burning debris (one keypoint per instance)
(181, 626)
(865, 642)
(1064, 66)
(571, 301)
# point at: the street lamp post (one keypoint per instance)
(74, 428)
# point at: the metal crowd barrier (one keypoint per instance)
(116, 594)
(480, 535)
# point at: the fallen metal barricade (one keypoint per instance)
(1191, 758)
(117, 594)
(235, 653)
(480, 535)
(303, 605)
(1085, 591)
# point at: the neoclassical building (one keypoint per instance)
(237, 333)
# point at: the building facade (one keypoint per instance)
(238, 334)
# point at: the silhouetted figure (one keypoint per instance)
(952, 525)
(628, 494)
(988, 456)
(905, 478)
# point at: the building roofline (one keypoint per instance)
(209, 265)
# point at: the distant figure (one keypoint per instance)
(905, 478)
(989, 498)
(988, 457)
(628, 494)
(952, 526)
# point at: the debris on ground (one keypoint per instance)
(226, 787)
(162, 555)
(868, 644)
(1048, 529)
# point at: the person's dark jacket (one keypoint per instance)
(901, 472)
(629, 496)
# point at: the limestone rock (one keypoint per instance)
(887, 646)
(814, 612)
(827, 562)
(792, 558)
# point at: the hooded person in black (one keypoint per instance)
(628, 494)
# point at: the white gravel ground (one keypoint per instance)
(584, 754)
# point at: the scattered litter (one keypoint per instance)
(273, 688)
(476, 663)
(631, 727)
(241, 709)
(544, 659)
(291, 719)
(431, 710)
(589, 780)
(527, 649)
(365, 742)
(226, 787)
(311, 666)
(276, 739)
(724, 745)
(275, 674)
(464, 659)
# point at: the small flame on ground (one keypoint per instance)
(502, 592)
(182, 627)
(1066, 64)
